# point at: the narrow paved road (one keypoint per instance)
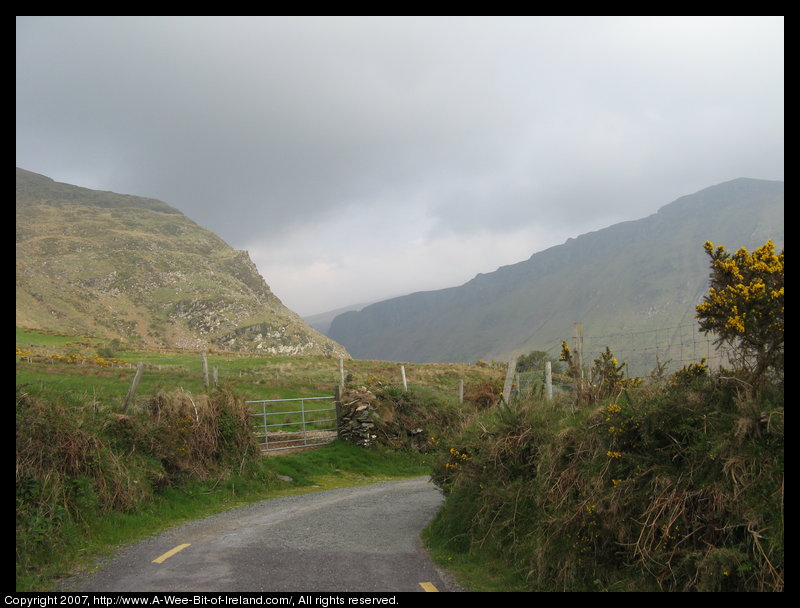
(364, 539)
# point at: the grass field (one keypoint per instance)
(82, 370)
(60, 366)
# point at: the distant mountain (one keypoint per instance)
(120, 266)
(322, 321)
(623, 282)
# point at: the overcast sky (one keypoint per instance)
(359, 158)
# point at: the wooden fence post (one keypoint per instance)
(341, 375)
(403, 372)
(205, 369)
(461, 391)
(512, 367)
(578, 348)
(132, 390)
(548, 380)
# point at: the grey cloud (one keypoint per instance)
(252, 125)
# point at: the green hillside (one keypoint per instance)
(120, 266)
(633, 286)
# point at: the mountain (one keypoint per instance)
(322, 321)
(624, 283)
(121, 266)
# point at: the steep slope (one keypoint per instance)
(322, 321)
(114, 265)
(628, 279)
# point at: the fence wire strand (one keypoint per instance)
(673, 347)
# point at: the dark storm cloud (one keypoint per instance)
(259, 127)
(290, 117)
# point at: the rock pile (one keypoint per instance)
(358, 417)
(396, 421)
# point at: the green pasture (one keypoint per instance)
(44, 369)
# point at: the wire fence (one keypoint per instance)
(645, 350)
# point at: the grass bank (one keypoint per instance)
(672, 486)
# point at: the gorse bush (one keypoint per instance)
(675, 484)
(745, 306)
(605, 378)
(674, 488)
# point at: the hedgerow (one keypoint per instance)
(76, 461)
(675, 484)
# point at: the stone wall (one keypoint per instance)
(366, 420)
(358, 417)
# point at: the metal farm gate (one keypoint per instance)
(285, 424)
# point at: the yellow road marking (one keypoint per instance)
(428, 586)
(170, 553)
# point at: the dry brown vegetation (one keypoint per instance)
(76, 461)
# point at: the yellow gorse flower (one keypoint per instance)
(744, 304)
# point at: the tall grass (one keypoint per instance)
(77, 461)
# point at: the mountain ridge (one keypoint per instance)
(534, 303)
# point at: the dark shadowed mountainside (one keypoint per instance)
(625, 284)
(322, 321)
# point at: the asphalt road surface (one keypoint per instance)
(363, 539)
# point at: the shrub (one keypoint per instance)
(408, 420)
(483, 395)
(674, 486)
(535, 361)
(677, 489)
(194, 435)
(744, 306)
(606, 377)
(76, 462)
